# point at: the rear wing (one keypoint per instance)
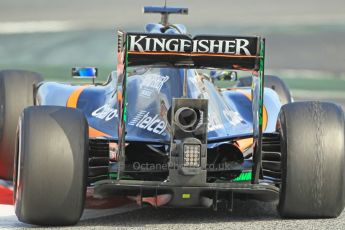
(202, 51)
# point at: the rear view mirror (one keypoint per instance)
(223, 75)
(84, 72)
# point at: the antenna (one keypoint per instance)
(164, 16)
(165, 11)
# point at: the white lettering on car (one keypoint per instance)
(106, 112)
(214, 123)
(152, 83)
(144, 120)
(143, 43)
(233, 117)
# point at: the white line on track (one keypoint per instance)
(36, 26)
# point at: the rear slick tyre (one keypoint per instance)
(313, 160)
(16, 93)
(51, 171)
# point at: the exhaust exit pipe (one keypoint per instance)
(187, 118)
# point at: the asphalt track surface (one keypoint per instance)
(247, 215)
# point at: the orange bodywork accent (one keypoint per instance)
(72, 102)
(73, 98)
(264, 112)
(264, 118)
(96, 133)
(244, 144)
(119, 96)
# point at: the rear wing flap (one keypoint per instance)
(202, 51)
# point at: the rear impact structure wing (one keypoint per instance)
(203, 51)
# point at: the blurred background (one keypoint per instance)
(305, 38)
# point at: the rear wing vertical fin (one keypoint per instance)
(258, 96)
(122, 64)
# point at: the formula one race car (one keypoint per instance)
(160, 132)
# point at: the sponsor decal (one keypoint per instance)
(106, 112)
(183, 44)
(144, 120)
(151, 84)
(214, 123)
(233, 117)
